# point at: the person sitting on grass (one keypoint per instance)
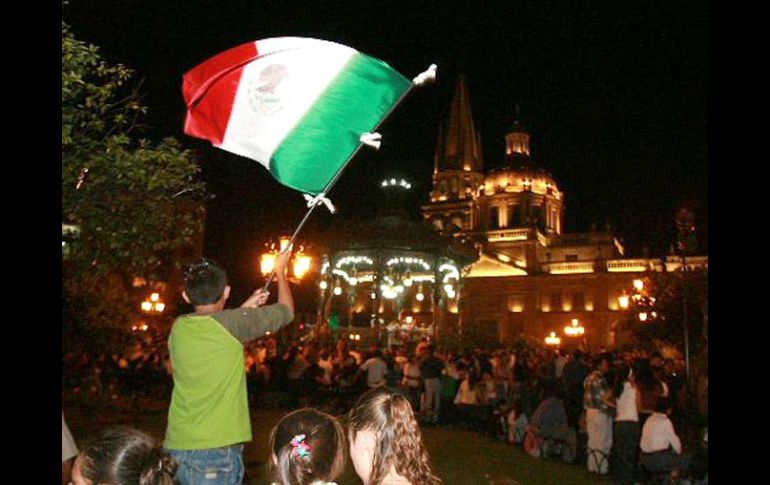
(308, 448)
(518, 422)
(661, 447)
(123, 456)
(385, 441)
(549, 422)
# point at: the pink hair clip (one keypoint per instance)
(301, 449)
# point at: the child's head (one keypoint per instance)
(123, 456)
(205, 283)
(307, 446)
(384, 436)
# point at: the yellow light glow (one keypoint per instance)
(452, 307)
(302, 265)
(147, 306)
(623, 301)
(323, 285)
(574, 329)
(638, 285)
(337, 290)
(420, 297)
(626, 269)
(409, 319)
(408, 282)
(267, 263)
(643, 317)
(353, 281)
(159, 307)
(284, 243)
(154, 297)
(571, 270)
(552, 339)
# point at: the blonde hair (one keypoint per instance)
(399, 441)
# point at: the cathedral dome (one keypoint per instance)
(519, 174)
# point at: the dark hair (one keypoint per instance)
(645, 378)
(204, 282)
(662, 405)
(601, 358)
(325, 439)
(125, 456)
(623, 376)
(399, 441)
(577, 354)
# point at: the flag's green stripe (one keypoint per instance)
(354, 103)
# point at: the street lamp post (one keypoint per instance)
(686, 242)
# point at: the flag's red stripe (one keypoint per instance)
(209, 92)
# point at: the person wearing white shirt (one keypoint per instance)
(625, 445)
(558, 364)
(661, 447)
(412, 381)
(467, 393)
(375, 368)
(467, 400)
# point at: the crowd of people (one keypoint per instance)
(613, 412)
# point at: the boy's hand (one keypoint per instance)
(282, 260)
(257, 299)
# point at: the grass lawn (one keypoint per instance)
(459, 457)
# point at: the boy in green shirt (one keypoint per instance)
(208, 419)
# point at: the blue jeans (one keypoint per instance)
(215, 466)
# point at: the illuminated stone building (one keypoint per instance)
(531, 278)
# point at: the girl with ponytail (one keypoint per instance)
(385, 441)
(123, 456)
(308, 448)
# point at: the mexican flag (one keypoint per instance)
(298, 106)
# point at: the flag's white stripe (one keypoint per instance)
(277, 44)
(259, 121)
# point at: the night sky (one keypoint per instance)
(614, 94)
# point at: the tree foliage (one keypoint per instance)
(669, 292)
(138, 204)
